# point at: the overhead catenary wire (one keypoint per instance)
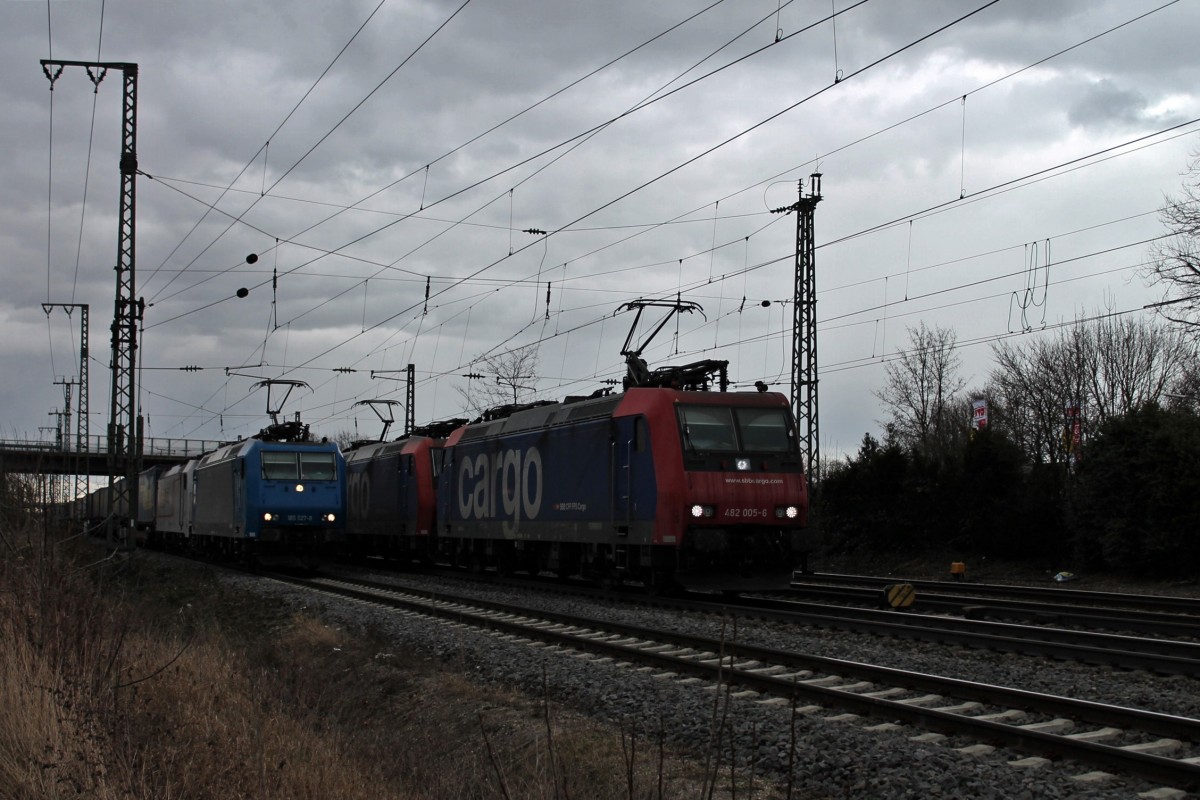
(262, 149)
(340, 122)
(648, 183)
(479, 136)
(982, 192)
(781, 334)
(824, 323)
(833, 367)
(729, 140)
(656, 97)
(1007, 76)
(765, 338)
(564, 266)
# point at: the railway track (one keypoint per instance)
(1045, 597)
(1158, 655)
(1161, 656)
(1156, 747)
(1173, 624)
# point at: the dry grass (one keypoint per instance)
(142, 679)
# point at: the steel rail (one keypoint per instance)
(1161, 656)
(972, 607)
(1185, 605)
(717, 660)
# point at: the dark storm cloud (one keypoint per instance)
(217, 79)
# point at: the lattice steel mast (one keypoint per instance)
(804, 328)
(124, 422)
(81, 420)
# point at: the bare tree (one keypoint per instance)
(500, 379)
(1133, 363)
(1106, 367)
(1176, 264)
(1185, 392)
(346, 438)
(1034, 384)
(921, 385)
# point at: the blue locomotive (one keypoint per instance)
(256, 499)
(277, 495)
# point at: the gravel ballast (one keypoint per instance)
(832, 758)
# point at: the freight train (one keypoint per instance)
(671, 477)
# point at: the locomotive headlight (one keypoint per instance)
(299, 487)
(742, 464)
(791, 512)
(330, 517)
(699, 511)
(267, 517)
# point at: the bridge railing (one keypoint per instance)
(154, 446)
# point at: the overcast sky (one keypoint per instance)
(991, 174)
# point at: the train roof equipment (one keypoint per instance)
(385, 416)
(697, 376)
(440, 429)
(291, 430)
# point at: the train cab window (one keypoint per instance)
(764, 430)
(707, 428)
(277, 466)
(641, 435)
(317, 467)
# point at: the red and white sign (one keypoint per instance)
(1074, 432)
(979, 414)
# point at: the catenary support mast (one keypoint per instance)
(124, 422)
(804, 329)
(81, 419)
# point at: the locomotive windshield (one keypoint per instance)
(278, 466)
(738, 429)
(317, 467)
(289, 466)
(764, 430)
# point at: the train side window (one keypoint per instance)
(278, 466)
(317, 467)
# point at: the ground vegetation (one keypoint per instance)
(1088, 454)
(125, 675)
